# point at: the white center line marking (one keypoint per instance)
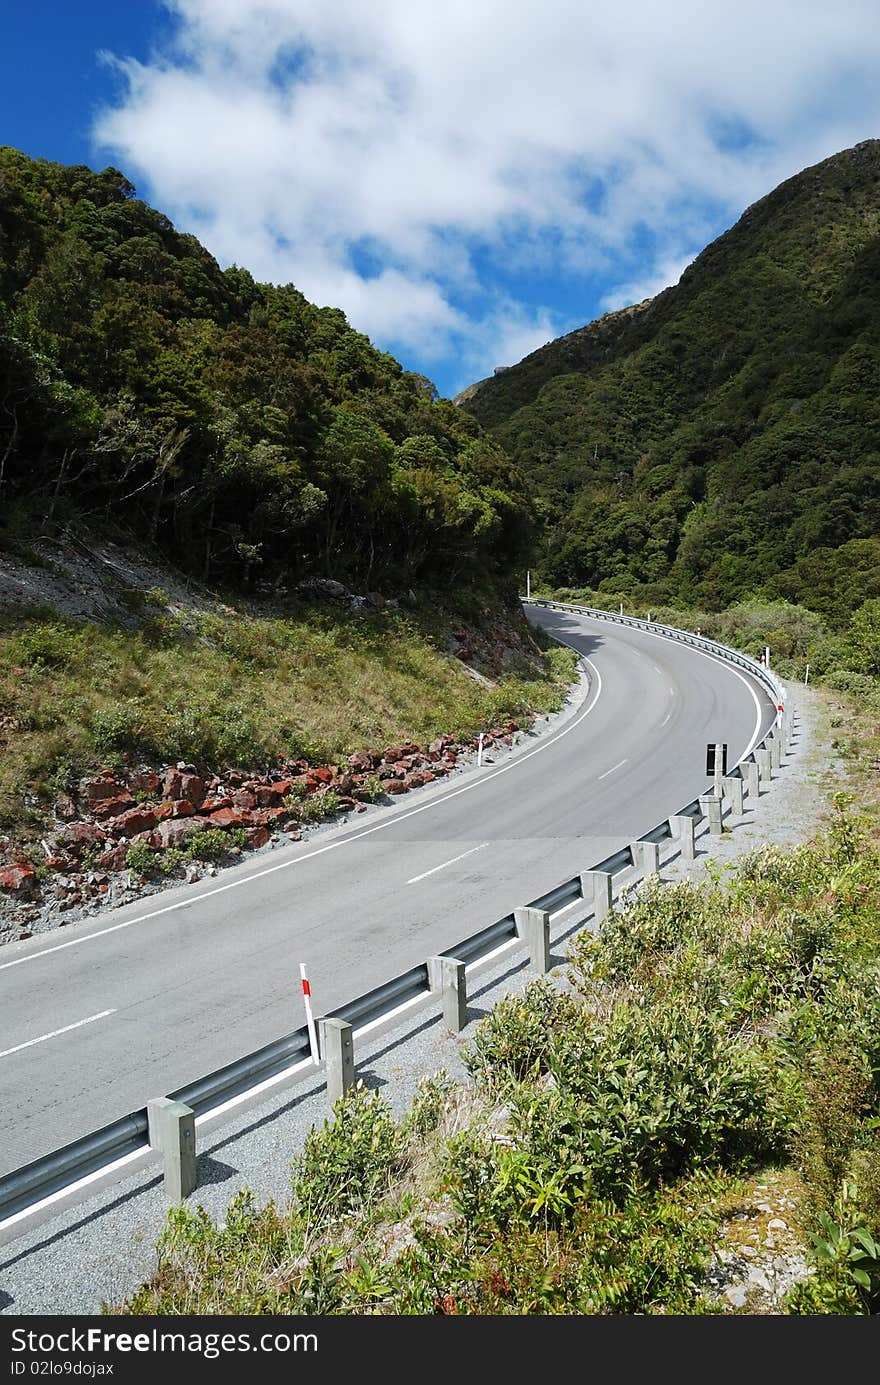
(55, 1032)
(611, 770)
(188, 903)
(424, 875)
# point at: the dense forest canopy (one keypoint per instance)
(232, 423)
(722, 439)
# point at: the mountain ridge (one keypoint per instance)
(709, 442)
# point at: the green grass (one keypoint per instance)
(235, 691)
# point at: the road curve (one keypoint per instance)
(98, 1018)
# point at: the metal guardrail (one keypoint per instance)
(230, 1081)
(372, 1006)
(723, 651)
(52, 1173)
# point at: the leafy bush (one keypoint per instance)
(140, 858)
(350, 1160)
(320, 806)
(372, 789)
(517, 1036)
(214, 842)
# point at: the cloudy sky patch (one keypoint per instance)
(467, 181)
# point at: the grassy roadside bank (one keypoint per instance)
(238, 691)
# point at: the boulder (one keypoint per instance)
(361, 762)
(225, 817)
(18, 879)
(395, 786)
(322, 586)
(107, 808)
(176, 831)
(114, 859)
(268, 795)
(182, 783)
(143, 781)
(106, 785)
(244, 799)
(257, 836)
(78, 836)
(320, 775)
(137, 819)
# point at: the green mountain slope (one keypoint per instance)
(723, 437)
(233, 423)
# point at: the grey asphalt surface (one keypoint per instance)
(197, 976)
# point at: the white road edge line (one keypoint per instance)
(612, 769)
(55, 1032)
(433, 871)
(331, 846)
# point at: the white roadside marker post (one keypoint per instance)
(479, 750)
(310, 1019)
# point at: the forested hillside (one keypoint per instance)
(234, 424)
(722, 439)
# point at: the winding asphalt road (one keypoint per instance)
(101, 1017)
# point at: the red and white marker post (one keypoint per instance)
(779, 710)
(310, 1019)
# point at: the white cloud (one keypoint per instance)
(445, 138)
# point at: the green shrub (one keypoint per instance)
(140, 858)
(372, 789)
(319, 806)
(518, 1035)
(427, 1106)
(655, 922)
(350, 1160)
(214, 842)
(120, 729)
(847, 1263)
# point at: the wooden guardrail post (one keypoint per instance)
(710, 807)
(646, 857)
(733, 789)
(533, 926)
(171, 1128)
(596, 885)
(681, 825)
(337, 1047)
(447, 976)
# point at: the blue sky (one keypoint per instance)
(466, 181)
